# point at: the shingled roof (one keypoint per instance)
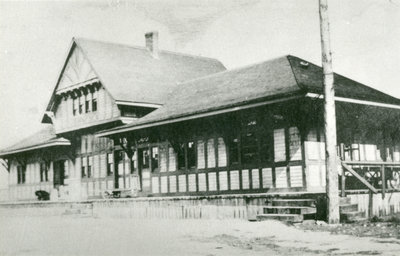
(275, 78)
(45, 137)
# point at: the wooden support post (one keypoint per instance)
(383, 181)
(343, 183)
(332, 189)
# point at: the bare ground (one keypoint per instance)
(72, 235)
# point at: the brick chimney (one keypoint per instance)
(152, 43)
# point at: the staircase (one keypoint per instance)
(290, 210)
(349, 212)
(297, 210)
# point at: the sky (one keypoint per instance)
(35, 36)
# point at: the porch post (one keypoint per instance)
(332, 189)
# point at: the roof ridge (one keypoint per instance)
(144, 48)
(234, 69)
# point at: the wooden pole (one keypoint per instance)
(332, 190)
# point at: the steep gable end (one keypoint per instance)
(77, 70)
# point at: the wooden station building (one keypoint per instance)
(158, 123)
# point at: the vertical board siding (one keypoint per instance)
(281, 177)
(155, 185)
(296, 176)
(267, 181)
(245, 179)
(212, 181)
(182, 183)
(223, 180)
(192, 182)
(202, 182)
(164, 184)
(234, 180)
(172, 184)
(255, 176)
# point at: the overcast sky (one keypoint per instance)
(34, 39)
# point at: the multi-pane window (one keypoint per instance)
(66, 169)
(75, 103)
(154, 157)
(145, 158)
(110, 164)
(44, 172)
(89, 166)
(94, 101)
(81, 103)
(88, 102)
(249, 141)
(83, 167)
(191, 154)
(181, 156)
(21, 174)
(233, 150)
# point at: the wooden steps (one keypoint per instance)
(349, 212)
(297, 210)
(289, 210)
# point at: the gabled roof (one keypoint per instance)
(46, 137)
(277, 78)
(132, 74)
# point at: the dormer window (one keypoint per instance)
(81, 102)
(74, 106)
(94, 101)
(88, 103)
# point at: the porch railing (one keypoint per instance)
(376, 176)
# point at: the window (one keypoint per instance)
(191, 154)
(66, 169)
(44, 172)
(249, 141)
(83, 167)
(89, 166)
(233, 151)
(81, 102)
(181, 156)
(145, 158)
(154, 157)
(74, 106)
(21, 174)
(110, 164)
(94, 101)
(88, 102)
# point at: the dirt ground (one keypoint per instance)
(72, 235)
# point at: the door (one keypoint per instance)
(59, 174)
(144, 169)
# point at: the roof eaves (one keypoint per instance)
(51, 143)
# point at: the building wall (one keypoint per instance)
(65, 119)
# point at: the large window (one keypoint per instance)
(94, 101)
(249, 141)
(154, 158)
(75, 103)
(44, 172)
(110, 164)
(89, 166)
(21, 174)
(88, 102)
(83, 167)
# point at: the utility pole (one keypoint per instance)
(332, 190)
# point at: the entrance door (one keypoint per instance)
(144, 169)
(59, 174)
